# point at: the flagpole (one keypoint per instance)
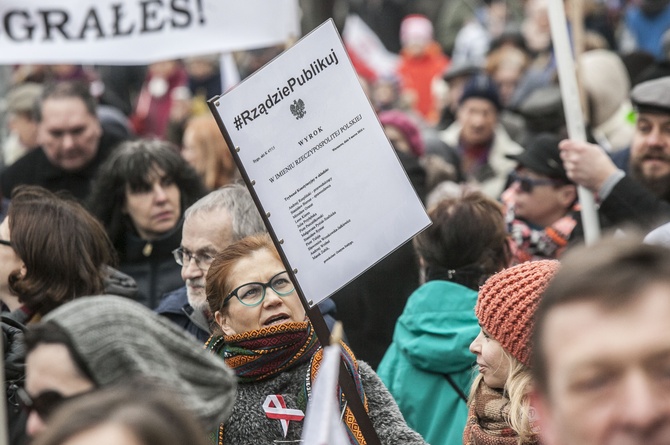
(572, 107)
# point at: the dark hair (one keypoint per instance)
(149, 414)
(130, 164)
(467, 241)
(217, 285)
(612, 273)
(64, 248)
(66, 90)
(52, 334)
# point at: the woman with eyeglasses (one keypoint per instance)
(266, 338)
(140, 195)
(541, 202)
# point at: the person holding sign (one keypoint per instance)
(638, 192)
(265, 337)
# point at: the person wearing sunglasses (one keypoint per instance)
(104, 341)
(264, 335)
(541, 212)
(127, 415)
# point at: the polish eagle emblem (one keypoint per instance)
(298, 109)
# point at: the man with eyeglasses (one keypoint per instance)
(211, 224)
(72, 142)
(540, 202)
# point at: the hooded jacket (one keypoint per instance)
(431, 339)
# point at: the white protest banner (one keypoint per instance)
(318, 161)
(139, 31)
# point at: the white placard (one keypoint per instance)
(139, 31)
(320, 164)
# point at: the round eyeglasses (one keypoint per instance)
(183, 258)
(253, 294)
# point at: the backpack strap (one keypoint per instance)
(458, 390)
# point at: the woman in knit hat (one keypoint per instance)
(266, 338)
(402, 132)
(105, 341)
(499, 406)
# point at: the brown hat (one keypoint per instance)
(507, 302)
(22, 98)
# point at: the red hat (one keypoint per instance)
(507, 302)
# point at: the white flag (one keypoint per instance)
(323, 425)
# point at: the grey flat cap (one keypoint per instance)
(652, 96)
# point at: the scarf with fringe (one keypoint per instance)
(264, 353)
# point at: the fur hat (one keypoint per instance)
(118, 339)
(507, 302)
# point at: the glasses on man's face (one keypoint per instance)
(183, 258)
(527, 184)
(4, 242)
(44, 404)
(253, 294)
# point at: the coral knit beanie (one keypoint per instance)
(507, 302)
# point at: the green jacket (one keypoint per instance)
(431, 338)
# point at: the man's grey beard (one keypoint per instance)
(197, 302)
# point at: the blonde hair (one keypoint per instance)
(517, 389)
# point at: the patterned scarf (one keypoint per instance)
(263, 353)
(487, 424)
(353, 430)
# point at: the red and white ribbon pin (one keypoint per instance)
(275, 408)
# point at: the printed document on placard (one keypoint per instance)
(320, 164)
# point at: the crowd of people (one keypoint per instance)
(144, 302)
